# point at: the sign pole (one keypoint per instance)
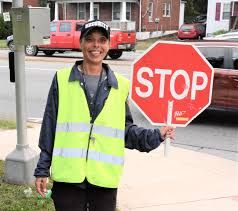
(21, 162)
(169, 121)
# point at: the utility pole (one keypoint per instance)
(21, 162)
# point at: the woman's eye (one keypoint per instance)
(103, 40)
(88, 39)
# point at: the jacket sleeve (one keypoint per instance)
(140, 138)
(47, 134)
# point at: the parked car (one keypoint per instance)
(64, 36)
(200, 19)
(223, 56)
(192, 31)
(10, 43)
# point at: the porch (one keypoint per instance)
(122, 14)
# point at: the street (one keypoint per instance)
(213, 132)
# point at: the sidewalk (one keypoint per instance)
(185, 181)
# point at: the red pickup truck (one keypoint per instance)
(64, 36)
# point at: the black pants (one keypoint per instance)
(68, 197)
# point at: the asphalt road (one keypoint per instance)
(213, 132)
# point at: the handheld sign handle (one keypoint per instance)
(169, 122)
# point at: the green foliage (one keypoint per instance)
(220, 32)
(7, 124)
(194, 8)
(43, 3)
(13, 197)
(200, 6)
(3, 44)
(5, 28)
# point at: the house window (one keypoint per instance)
(226, 11)
(116, 11)
(150, 11)
(96, 11)
(218, 11)
(128, 11)
(81, 11)
(166, 10)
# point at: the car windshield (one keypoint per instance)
(187, 27)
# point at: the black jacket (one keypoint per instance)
(136, 137)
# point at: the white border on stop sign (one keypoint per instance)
(178, 43)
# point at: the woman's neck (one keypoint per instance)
(90, 69)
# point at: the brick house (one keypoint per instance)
(6, 5)
(139, 15)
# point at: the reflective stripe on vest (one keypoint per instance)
(81, 153)
(84, 127)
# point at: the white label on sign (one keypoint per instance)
(6, 16)
(194, 86)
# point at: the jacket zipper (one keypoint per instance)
(89, 140)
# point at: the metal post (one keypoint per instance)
(169, 121)
(140, 16)
(20, 163)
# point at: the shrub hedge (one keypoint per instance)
(5, 28)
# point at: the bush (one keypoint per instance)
(222, 31)
(5, 28)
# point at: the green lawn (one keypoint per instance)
(144, 44)
(13, 197)
(3, 44)
(7, 124)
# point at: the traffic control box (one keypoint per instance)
(31, 25)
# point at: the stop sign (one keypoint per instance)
(171, 72)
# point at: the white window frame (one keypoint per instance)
(150, 11)
(113, 3)
(166, 9)
(83, 11)
(96, 6)
(128, 10)
(222, 12)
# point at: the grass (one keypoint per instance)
(3, 44)
(11, 125)
(7, 124)
(144, 44)
(13, 197)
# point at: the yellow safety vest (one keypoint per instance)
(102, 162)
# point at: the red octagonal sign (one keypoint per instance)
(176, 73)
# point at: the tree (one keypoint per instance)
(194, 8)
(201, 6)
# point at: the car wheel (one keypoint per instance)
(48, 52)
(115, 54)
(31, 50)
(11, 46)
(61, 51)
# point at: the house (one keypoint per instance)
(6, 5)
(221, 15)
(234, 16)
(139, 15)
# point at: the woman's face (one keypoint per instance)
(94, 47)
